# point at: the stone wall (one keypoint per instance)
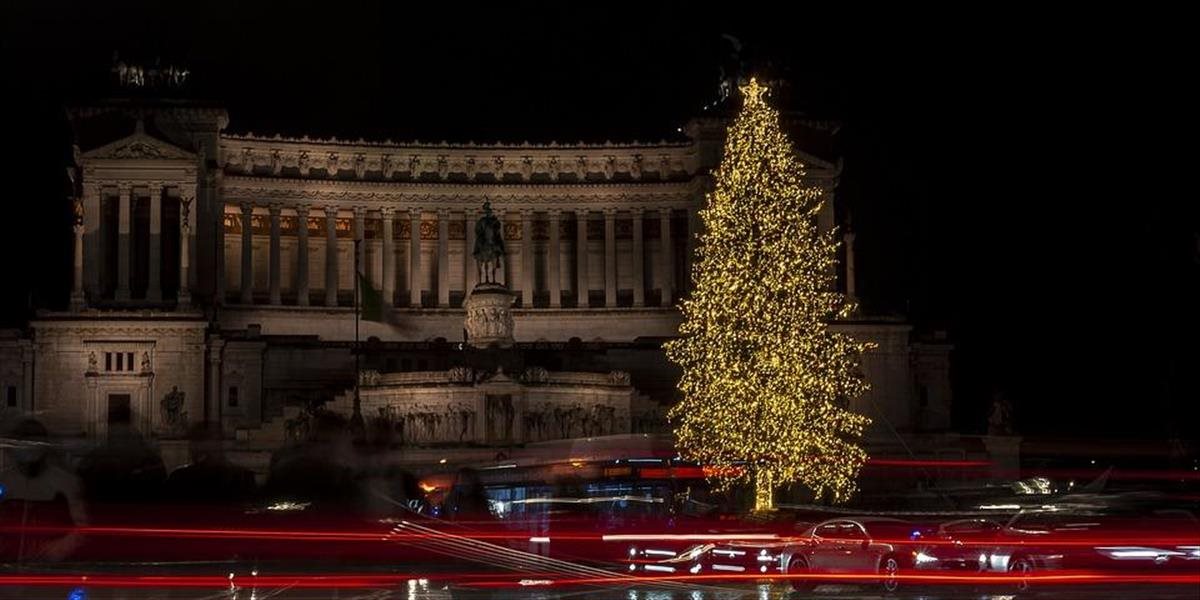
(78, 372)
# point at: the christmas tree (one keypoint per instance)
(765, 381)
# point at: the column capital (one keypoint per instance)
(275, 208)
(582, 211)
(525, 212)
(609, 212)
(78, 229)
(443, 212)
(302, 209)
(414, 212)
(247, 207)
(554, 212)
(123, 187)
(331, 211)
(387, 212)
(359, 211)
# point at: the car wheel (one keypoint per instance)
(889, 569)
(1022, 567)
(797, 568)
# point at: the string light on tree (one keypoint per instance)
(765, 381)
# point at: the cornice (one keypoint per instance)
(238, 188)
(471, 162)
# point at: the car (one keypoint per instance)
(959, 545)
(881, 547)
(1096, 538)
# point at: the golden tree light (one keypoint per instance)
(765, 381)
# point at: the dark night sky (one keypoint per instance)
(1010, 174)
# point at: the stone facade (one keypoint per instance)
(221, 267)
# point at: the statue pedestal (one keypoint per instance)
(489, 319)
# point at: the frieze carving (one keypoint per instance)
(423, 423)
(368, 377)
(650, 195)
(524, 161)
(512, 231)
(138, 146)
(139, 150)
(635, 167)
(489, 318)
(360, 165)
(535, 375)
(618, 377)
(552, 420)
(460, 375)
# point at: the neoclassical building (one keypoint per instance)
(214, 274)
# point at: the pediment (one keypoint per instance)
(139, 146)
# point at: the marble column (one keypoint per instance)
(247, 254)
(187, 201)
(93, 248)
(610, 257)
(581, 250)
(331, 256)
(360, 241)
(389, 255)
(470, 269)
(375, 258)
(553, 270)
(851, 277)
(214, 181)
(667, 260)
(527, 262)
(154, 277)
(192, 209)
(276, 266)
(302, 254)
(77, 299)
(124, 200)
(639, 259)
(443, 258)
(414, 257)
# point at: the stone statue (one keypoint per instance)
(77, 208)
(489, 244)
(93, 365)
(1000, 418)
(174, 418)
(145, 362)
